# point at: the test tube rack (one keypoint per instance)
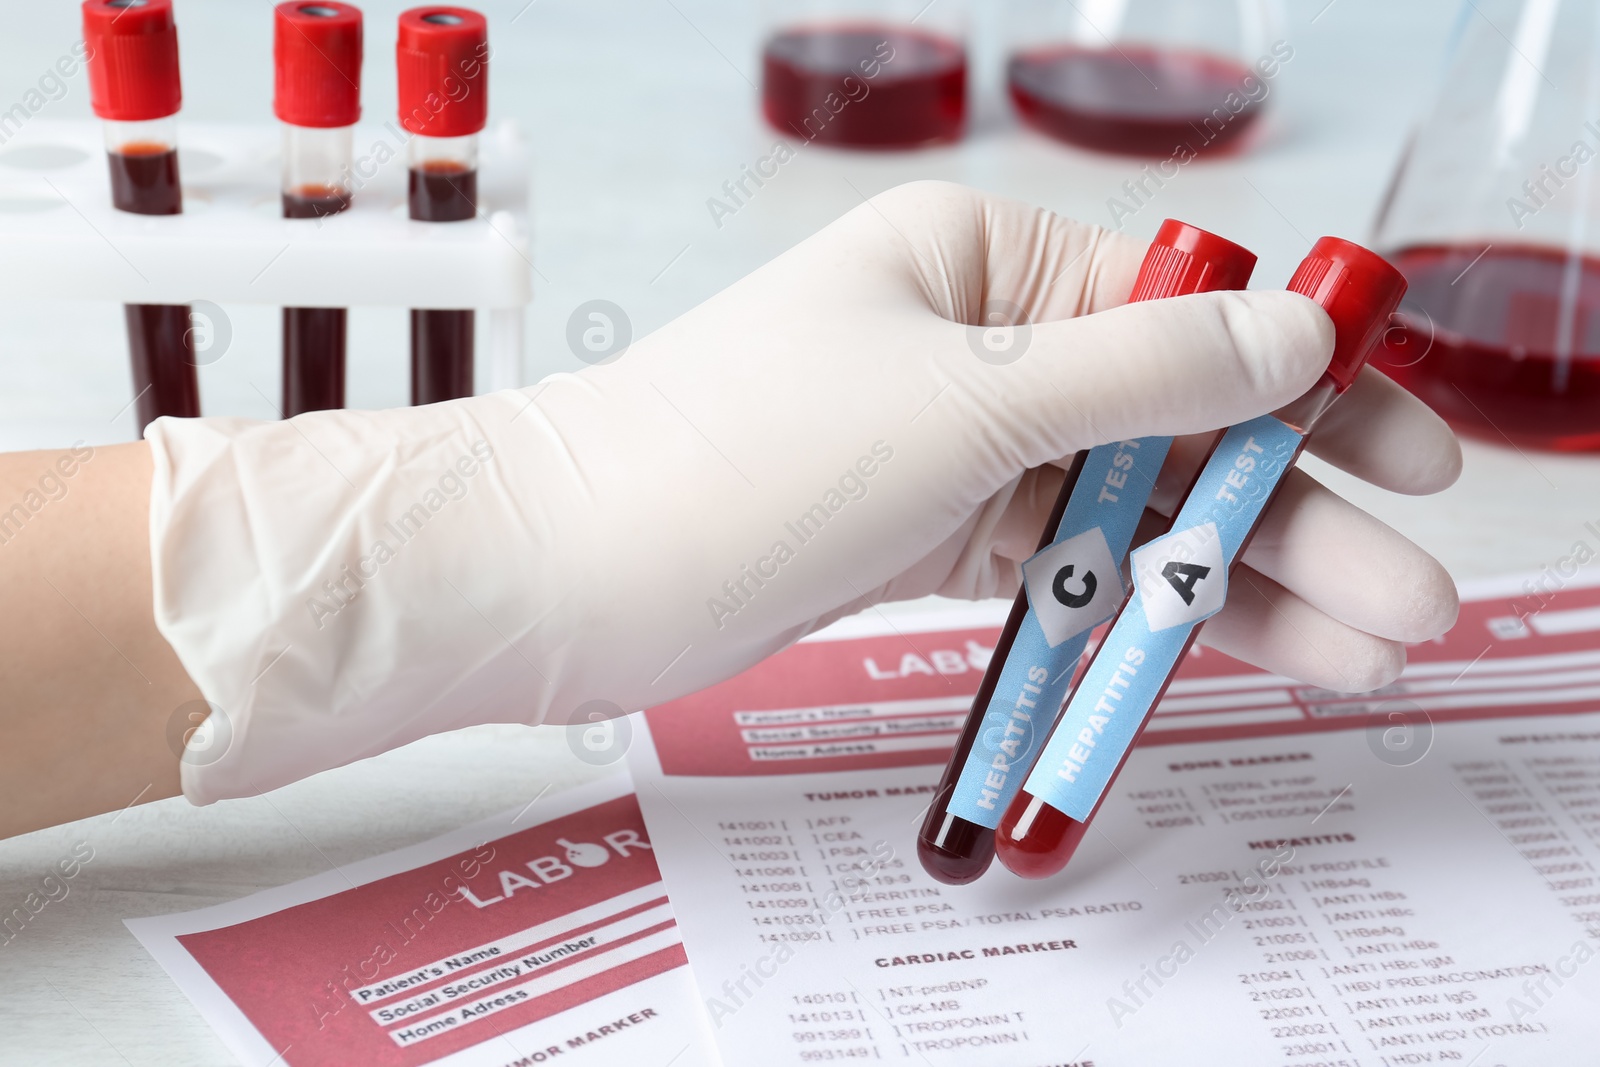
(61, 238)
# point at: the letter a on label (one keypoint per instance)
(1182, 577)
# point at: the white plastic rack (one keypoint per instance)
(61, 238)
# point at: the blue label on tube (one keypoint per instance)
(1180, 580)
(1073, 586)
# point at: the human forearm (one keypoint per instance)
(89, 685)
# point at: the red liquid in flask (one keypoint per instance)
(313, 338)
(865, 85)
(1139, 101)
(1480, 335)
(144, 181)
(442, 341)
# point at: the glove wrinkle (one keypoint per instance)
(1093, 271)
(534, 416)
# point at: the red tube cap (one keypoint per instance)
(443, 61)
(133, 59)
(1186, 259)
(316, 56)
(1359, 290)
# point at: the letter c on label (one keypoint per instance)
(1073, 600)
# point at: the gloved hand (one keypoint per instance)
(819, 437)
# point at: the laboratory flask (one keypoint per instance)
(865, 73)
(1153, 78)
(1490, 215)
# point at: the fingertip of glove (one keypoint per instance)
(1447, 463)
(1372, 667)
(1434, 604)
(1435, 458)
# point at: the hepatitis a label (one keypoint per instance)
(1180, 580)
(1182, 577)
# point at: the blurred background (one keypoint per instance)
(643, 113)
(645, 116)
(640, 110)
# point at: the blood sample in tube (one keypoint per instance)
(443, 60)
(1032, 674)
(144, 178)
(134, 87)
(317, 96)
(952, 849)
(314, 201)
(1152, 633)
(443, 190)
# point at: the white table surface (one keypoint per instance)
(639, 111)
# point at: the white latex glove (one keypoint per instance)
(819, 437)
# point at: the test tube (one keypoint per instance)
(316, 51)
(1076, 577)
(132, 50)
(443, 59)
(1180, 579)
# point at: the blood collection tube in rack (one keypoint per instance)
(443, 61)
(316, 52)
(134, 87)
(1071, 585)
(1180, 579)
